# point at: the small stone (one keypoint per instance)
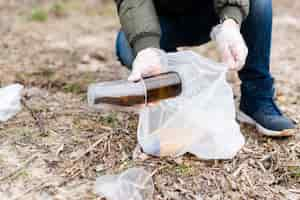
(86, 59)
(93, 66)
(99, 56)
(100, 168)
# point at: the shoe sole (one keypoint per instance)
(243, 118)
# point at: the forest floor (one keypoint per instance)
(57, 146)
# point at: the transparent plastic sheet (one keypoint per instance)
(200, 121)
(132, 184)
(10, 101)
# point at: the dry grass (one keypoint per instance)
(55, 60)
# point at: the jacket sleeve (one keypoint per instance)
(235, 9)
(140, 23)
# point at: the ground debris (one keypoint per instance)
(75, 144)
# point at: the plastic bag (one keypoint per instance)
(10, 101)
(133, 184)
(200, 121)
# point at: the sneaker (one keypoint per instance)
(264, 114)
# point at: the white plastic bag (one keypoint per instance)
(10, 101)
(200, 121)
(133, 184)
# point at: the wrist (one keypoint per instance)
(151, 51)
(231, 23)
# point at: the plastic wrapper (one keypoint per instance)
(133, 184)
(200, 121)
(10, 101)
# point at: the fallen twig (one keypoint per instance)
(239, 169)
(36, 116)
(294, 191)
(34, 188)
(24, 165)
(248, 179)
(91, 148)
(59, 150)
(261, 166)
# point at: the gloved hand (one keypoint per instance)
(148, 62)
(230, 44)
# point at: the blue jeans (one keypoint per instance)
(194, 30)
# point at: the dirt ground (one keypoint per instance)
(57, 146)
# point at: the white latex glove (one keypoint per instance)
(230, 44)
(148, 62)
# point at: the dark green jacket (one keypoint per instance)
(139, 18)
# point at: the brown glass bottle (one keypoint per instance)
(126, 93)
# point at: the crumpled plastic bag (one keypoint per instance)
(200, 121)
(133, 184)
(10, 101)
